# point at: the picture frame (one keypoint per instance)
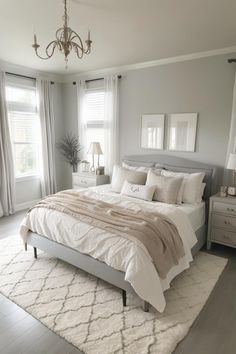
(182, 129)
(152, 131)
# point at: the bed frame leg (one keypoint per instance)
(25, 246)
(35, 253)
(145, 306)
(124, 297)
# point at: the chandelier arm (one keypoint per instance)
(59, 45)
(70, 33)
(76, 36)
(88, 51)
(78, 50)
(61, 29)
(54, 45)
(49, 55)
(38, 55)
(74, 44)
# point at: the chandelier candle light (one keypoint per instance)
(66, 41)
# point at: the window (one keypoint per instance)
(24, 126)
(94, 117)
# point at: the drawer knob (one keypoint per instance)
(230, 209)
(227, 222)
(83, 181)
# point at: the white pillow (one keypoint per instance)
(138, 191)
(190, 188)
(166, 188)
(121, 174)
(200, 195)
(114, 172)
(141, 168)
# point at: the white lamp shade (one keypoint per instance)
(95, 149)
(231, 165)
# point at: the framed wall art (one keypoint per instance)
(152, 131)
(182, 128)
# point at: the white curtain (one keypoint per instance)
(7, 178)
(48, 181)
(232, 134)
(111, 123)
(81, 85)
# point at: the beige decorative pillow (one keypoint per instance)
(167, 173)
(138, 191)
(191, 185)
(121, 174)
(167, 188)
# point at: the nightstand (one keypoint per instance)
(85, 180)
(222, 221)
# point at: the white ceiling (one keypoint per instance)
(123, 31)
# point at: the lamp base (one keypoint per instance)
(92, 168)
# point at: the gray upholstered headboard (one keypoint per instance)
(213, 174)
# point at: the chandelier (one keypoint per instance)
(66, 41)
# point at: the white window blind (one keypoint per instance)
(95, 106)
(24, 126)
(94, 117)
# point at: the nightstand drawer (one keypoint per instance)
(84, 181)
(226, 222)
(224, 208)
(224, 236)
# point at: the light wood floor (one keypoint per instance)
(214, 331)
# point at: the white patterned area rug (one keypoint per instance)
(88, 312)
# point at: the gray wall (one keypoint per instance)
(203, 85)
(27, 190)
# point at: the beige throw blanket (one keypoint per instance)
(157, 233)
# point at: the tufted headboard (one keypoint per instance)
(213, 174)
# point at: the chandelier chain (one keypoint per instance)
(65, 12)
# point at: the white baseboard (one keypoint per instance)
(26, 205)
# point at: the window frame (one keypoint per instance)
(21, 107)
(92, 87)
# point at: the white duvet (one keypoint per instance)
(116, 251)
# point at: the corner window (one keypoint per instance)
(94, 109)
(24, 126)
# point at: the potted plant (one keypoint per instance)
(70, 147)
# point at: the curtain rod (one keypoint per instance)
(230, 61)
(24, 76)
(100, 78)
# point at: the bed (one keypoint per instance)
(197, 217)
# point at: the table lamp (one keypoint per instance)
(95, 149)
(231, 165)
